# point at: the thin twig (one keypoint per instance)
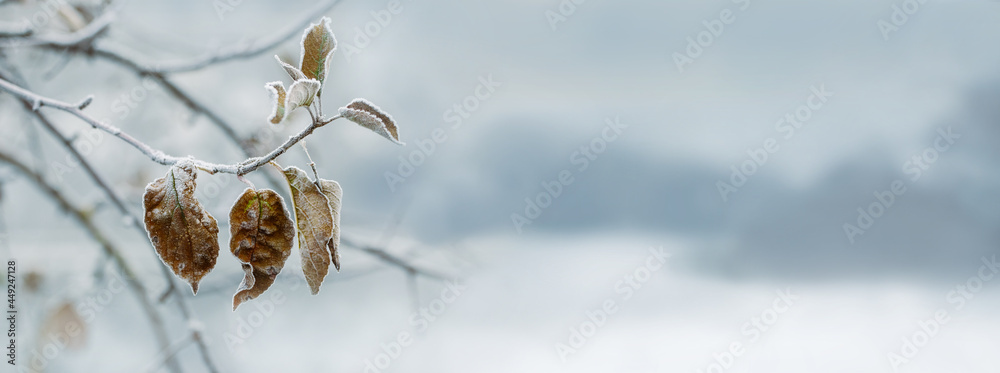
(79, 39)
(225, 54)
(158, 156)
(394, 260)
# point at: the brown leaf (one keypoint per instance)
(262, 236)
(318, 44)
(278, 91)
(67, 326)
(368, 115)
(314, 220)
(184, 234)
(331, 189)
(255, 282)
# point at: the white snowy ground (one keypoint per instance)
(522, 297)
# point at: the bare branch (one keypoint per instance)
(79, 39)
(393, 260)
(242, 168)
(8, 29)
(244, 50)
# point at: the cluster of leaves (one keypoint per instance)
(185, 235)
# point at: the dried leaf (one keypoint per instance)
(67, 325)
(366, 114)
(184, 234)
(314, 220)
(255, 282)
(278, 92)
(292, 71)
(301, 93)
(331, 189)
(33, 281)
(318, 44)
(262, 236)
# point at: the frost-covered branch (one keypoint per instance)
(242, 168)
(82, 38)
(239, 51)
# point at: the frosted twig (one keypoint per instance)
(234, 52)
(158, 156)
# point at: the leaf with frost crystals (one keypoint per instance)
(301, 93)
(318, 44)
(368, 115)
(184, 234)
(262, 235)
(292, 71)
(278, 91)
(331, 189)
(314, 220)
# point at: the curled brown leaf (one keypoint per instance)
(331, 189)
(278, 91)
(262, 234)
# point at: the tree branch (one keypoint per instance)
(223, 55)
(393, 260)
(158, 156)
(79, 39)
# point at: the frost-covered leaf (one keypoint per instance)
(331, 189)
(66, 323)
(255, 282)
(314, 220)
(318, 44)
(368, 115)
(278, 92)
(301, 93)
(262, 236)
(184, 234)
(293, 72)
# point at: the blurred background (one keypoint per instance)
(727, 186)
